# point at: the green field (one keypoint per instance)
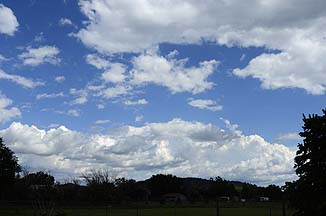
(156, 212)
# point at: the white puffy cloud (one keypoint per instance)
(123, 26)
(288, 136)
(73, 112)
(300, 68)
(66, 22)
(139, 118)
(31, 139)
(100, 106)
(178, 147)
(60, 79)
(205, 104)
(40, 55)
(115, 91)
(232, 127)
(39, 37)
(294, 29)
(79, 100)
(115, 26)
(151, 68)
(97, 61)
(115, 74)
(20, 80)
(172, 73)
(8, 21)
(2, 58)
(46, 95)
(7, 113)
(103, 121)
(70, 112)
(81, 96)
(137, 102)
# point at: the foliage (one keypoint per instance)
(274, 192)
(162, 184)
(39, 178)
(9, 167)
(250, 191)
(36, 186)
(307, 194)
(100, 185)
(98, 177)
(129, 189)
(220, 187)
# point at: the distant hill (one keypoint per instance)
(194, 182)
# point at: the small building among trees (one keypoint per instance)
(175, 198)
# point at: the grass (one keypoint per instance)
(155, 212)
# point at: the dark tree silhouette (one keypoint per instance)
(161, 184)
(307, 194)
(39, 178)
(39, 185)
(9, 167)
(221, 187)
(100, 184)
(250, 191)
(129, 189)
(274, 192)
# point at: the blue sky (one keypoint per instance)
(94, 68)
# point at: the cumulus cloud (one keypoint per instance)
(205, 104)
(151, 68)
(115, 25)
(179, 147)
(139, 118)
(46, 95)
(8, 21)
(2, 58)
(20, 80)
(60, 79)
(293, 29)
(6, 111)
(73, 112)
(81, 96)
(137, 102)
(100, 106)
(70, 112)
(66, 22)
(115, 91)
(103, 121)
(150, 24)
(39, 38)
(172, 73)
(97, 61)
(232, 127)
(288, 136)
(41, 55)
(303, 70)
(115, 74)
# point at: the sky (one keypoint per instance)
(192, 88)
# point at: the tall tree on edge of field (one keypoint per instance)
(9, 167)
(307, 194)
